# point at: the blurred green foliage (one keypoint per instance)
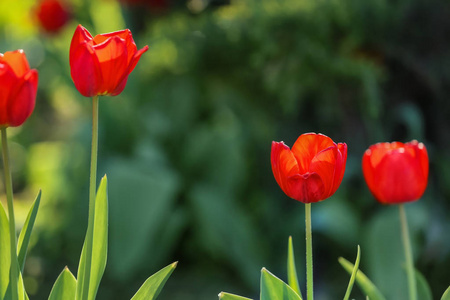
(186, 146)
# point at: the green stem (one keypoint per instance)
(14, 275)
(92, 192)
(309, 259)
(408, 254)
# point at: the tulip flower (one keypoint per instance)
(18, 87)
(313, 170)
(396, 172)
(52, 15)
(101, 65)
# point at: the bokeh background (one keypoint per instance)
(186, 146)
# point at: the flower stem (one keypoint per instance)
(309, 259)
(408, 254)
(14, 275)
(92, 192)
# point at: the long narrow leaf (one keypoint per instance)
(364, 283)
(273, 288)
(65, 286)
(291, 270)
(99, 246)
(5, 256)
(25, 233)
(446, 295)
(154, 284)
(227, 296)
(353, 277)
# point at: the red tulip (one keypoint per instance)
(18, 87)
(396, 172)
(101, 65)
(313, 170)
(52, 15)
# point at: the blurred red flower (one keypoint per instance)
(396, 172)
(101, 65)
(18, 87)
(52, 15)
(313, 170)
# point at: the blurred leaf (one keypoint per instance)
(273, 288)
(99, 245)
(353, 277)
(143, 216)
(385, 250)
(25, 233)
(446, 295)
(154, 284)
(65, 286)
(224, 230)
(423, 288)
(292, 271)
(364, 283)
(227, 296)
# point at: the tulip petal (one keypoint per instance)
(85, 70)
(398, 178)
(112, 56)
(339, 171)
(21, 107)
(80, 37)
(324, 165)
(306, 188)
(284, 165)
(8, 80)
(123, 80)
(307, 146)
(17, 61)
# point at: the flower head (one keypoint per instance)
(52, 15)
(100, 65)
(396, 172)
(18, 88)
(313, 170)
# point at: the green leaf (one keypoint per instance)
(65, 286)
(423, 288)
(353, 277)
(25, 233)
(273, 288)
(364, 283)
(5, 261)
(291, 270)
(446, 295)
(5, 256)
(154, 284)
(227, 296)
(99, 246)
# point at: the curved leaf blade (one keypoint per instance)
(423, 288)
(65, 286)
(353, 277)
(446, 295)
(99, 246)
(291, 270)
(273, 288)
(25, 233)
(363, 281)
(154, 284)
(228, 296)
